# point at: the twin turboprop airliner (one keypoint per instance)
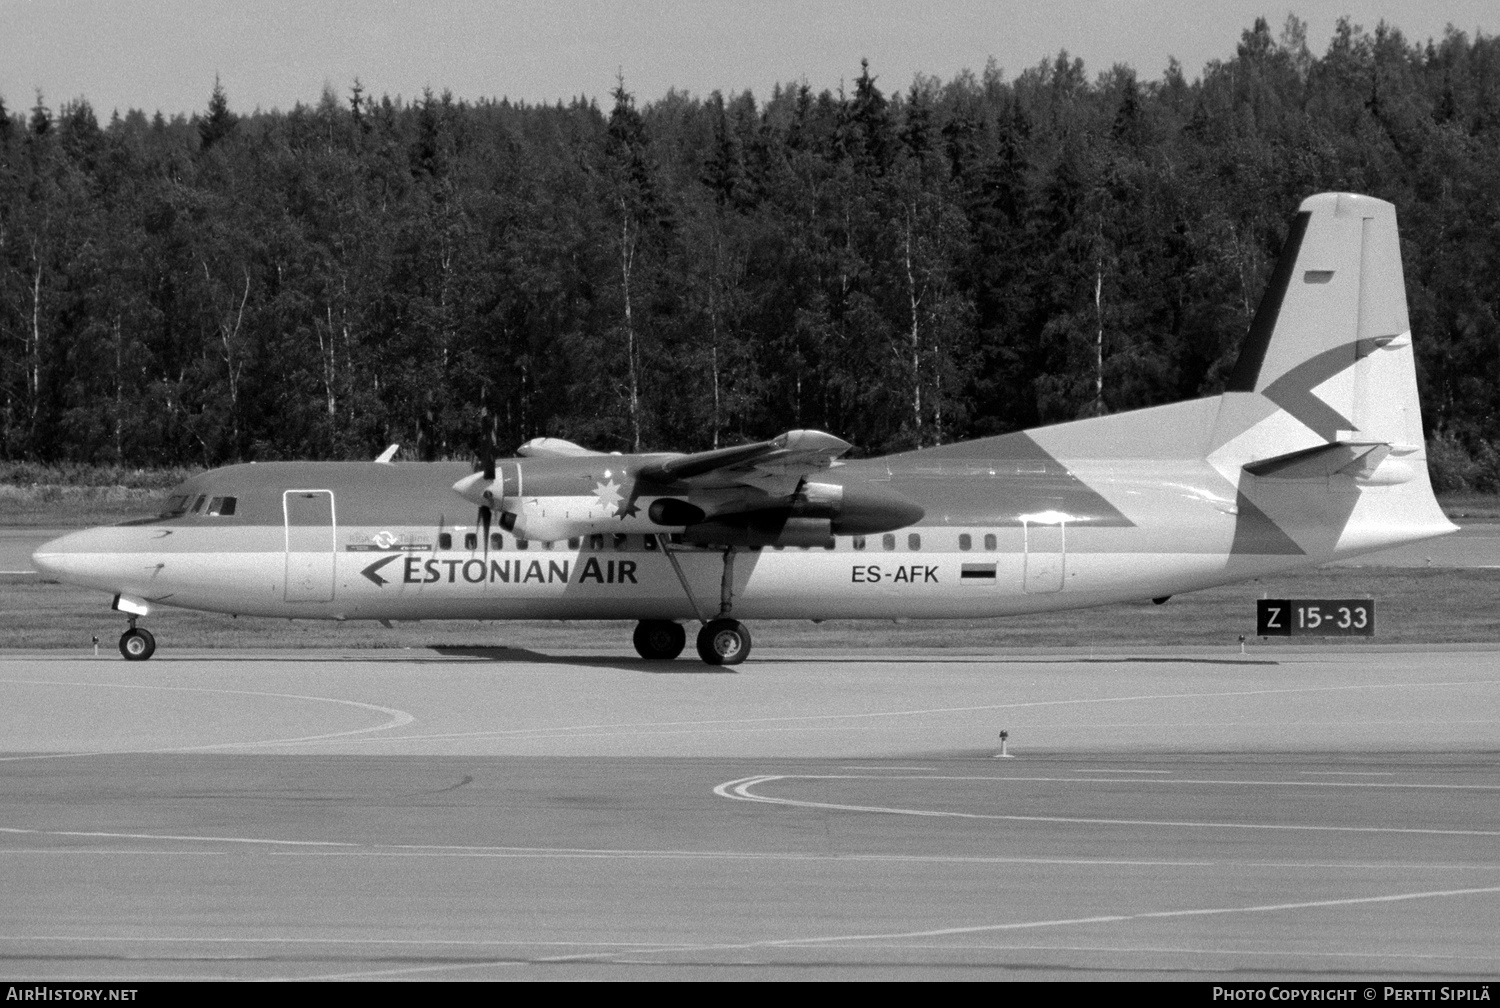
(1312, 453)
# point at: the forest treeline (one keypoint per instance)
(901, 268)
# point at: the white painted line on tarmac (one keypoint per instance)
(1172, 950)
(105, 852)
(1106, 770)
(824, 940)
(887, 768)
(1347, 773)
(357, 849)
(346, 848)
(305, 940)
(719, 724)
(639, 946)
(740, 790)
(1146, 915)
(99, 835)
(371, 974)
(1058, 922)
(1174, 781)
(398, 719)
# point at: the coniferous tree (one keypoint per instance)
(902, 268)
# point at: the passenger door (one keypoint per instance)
(310, 545)
(1046, 556)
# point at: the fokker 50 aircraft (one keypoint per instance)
(1314, 452)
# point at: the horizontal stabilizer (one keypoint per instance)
(1341, 458)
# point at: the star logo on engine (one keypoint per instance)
(609, 494)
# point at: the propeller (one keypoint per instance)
(481, 488)
(487, 467)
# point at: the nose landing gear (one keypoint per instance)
(137, 644)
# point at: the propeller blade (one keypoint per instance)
(484, 523)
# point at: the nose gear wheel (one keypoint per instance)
(137, 644)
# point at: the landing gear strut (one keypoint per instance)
(137, 644)
(721, 641)
(659, 639)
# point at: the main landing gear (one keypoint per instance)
(721, 640)
(724, 642)
(137, 644)
(659, 639)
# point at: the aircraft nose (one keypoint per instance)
(62, 556)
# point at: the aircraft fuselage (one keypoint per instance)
(317, 540)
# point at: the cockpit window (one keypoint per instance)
(222, 506)
(198, 504)
(176, 505)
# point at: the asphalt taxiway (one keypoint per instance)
(1320, 813)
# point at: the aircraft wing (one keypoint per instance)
(775, 467)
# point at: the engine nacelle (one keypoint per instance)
(672, 511)
(817, 513)
(858, 509)
(761, 528)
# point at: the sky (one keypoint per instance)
(164, 54)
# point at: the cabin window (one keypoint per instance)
(965, 541)
(445, 540)
(989, 541)
(574, 542)
(859, 542)
(522, 543)
(888, 541)
(198, 504)
(914, 541)
(497, 541)
(620, 539)
(596, 541)
(471, 540)
(830, 544)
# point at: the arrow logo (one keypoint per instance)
(371, 571)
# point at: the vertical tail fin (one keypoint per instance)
(1319, 427)
(1328, 357)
